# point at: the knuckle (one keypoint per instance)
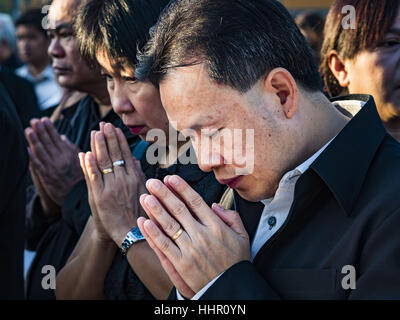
(103, 164)
(48, 145)
(94, 176)
(171, 228)
(179, 209)
(164, 245)
(196, 202)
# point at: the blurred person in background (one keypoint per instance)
(311, 24)
(33, 43)
(58, 208)
(8, 46)
(365, 59)
(19, 90)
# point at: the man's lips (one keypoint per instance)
(136, 129)
(61, 70)
(232, 183)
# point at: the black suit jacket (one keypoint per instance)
(346, 211)
(22, 94)
(13, 171)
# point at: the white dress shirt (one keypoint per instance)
(47, 90)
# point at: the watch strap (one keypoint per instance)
(133, 236)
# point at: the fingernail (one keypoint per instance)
(108, 128)
(155, 184)
(150, 202)
(218, 207)
(173, 180)
(143, 197)
(149, 226)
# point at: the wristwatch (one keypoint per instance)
(132, 237)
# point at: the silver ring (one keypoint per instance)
(119, 163)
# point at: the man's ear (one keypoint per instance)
(338, 68)
(281, 83)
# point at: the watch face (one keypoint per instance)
(137, 234)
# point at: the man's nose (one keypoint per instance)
(22, 42)
(209, 160)
(55, 49)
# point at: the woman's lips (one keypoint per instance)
(136, 130)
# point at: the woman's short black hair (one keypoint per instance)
(239, 41)
(116, 27)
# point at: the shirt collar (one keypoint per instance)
(299, 170)
(47, 73)
(344, 164)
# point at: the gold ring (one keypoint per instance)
(107, 171)
(178, 234)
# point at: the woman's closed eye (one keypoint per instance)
(130, 79)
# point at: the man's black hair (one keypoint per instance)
(116, 28)
(32, 18)
(239, 41)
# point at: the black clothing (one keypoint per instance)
(55, 240)
(13, 172)
(346, 211)
(12, 63)
(48, 112)
(121, 282)
(22, 94)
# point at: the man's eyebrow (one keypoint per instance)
(64, 25)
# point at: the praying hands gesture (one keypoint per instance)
(191, 239)
(115, 182)
(54, 164)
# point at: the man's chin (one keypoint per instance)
(249, 195)
(68, 83)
